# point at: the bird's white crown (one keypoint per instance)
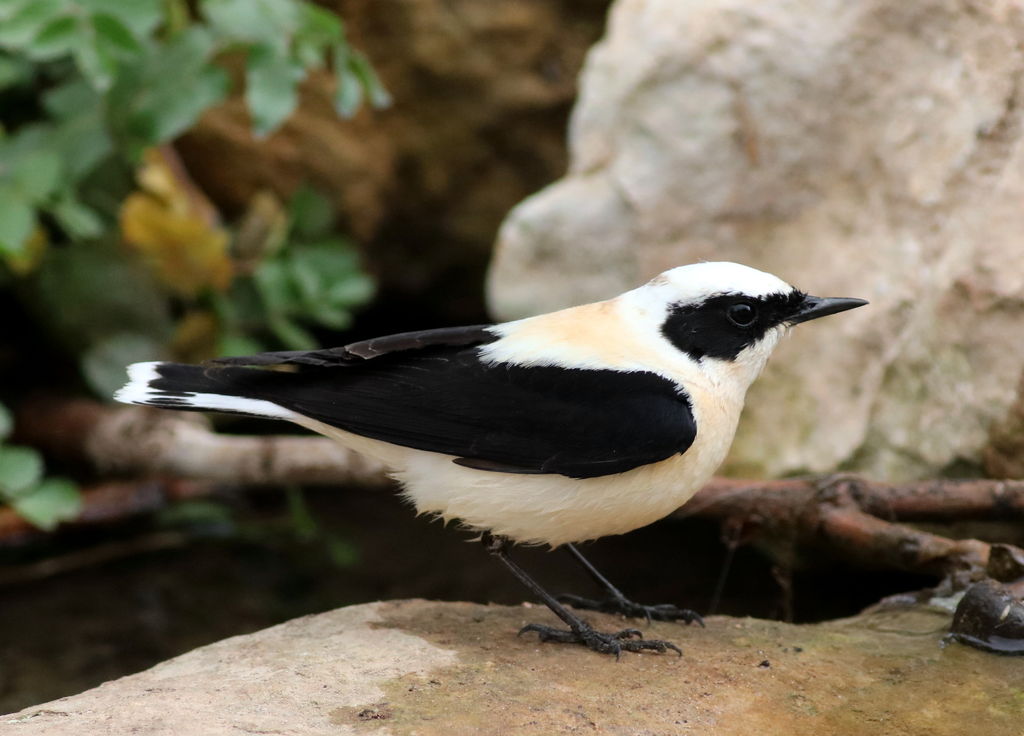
(698, 281)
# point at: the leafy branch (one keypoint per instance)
(44, 502)
(119, 77)
(105, 241)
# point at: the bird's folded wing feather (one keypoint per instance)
(357, 352)
(492, 416)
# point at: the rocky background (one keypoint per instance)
(861, 148)
(864, 149)
(858, 149)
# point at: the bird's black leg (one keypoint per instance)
(616, 602)
(579, 632)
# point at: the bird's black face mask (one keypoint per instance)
(723, 326)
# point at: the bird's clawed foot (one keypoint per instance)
(629, 640)
(626, 607)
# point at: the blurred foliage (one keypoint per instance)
(102, 78)
(339, 550)
(44, 502)
(105, 239)
(296, 528)
(316, 279)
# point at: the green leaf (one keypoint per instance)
(81, 141)
(28, 138)
(318, 30)
(6, 422)
(270, 88)
(312, 282)
(290, 334)
(333, 257)
(319, 25)
(68, 99)
(242, 310)
(348, 94)
(103, 364)
(14, 71)
(352, 291)
(178, 114)
(86, 293)
(274, 287)
(307, 279)
(325, 282)
(36, 175)
(51, 502)
(165, 94)
(113, 36)
(140, 17)
(10, 8)
(312, 214)
(233, 344)
(263, 22)
(17, 220)
(80, 222)
(361, 67)
(20, 469)
(26, 20)
(331, 316)
(95, 63)
(56, 39)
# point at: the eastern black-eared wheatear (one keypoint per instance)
(555, 429)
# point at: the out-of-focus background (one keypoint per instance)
(190, 178)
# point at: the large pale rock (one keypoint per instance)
(423, 668)
(863, 148)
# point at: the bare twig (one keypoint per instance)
(843, 513)
(135, 441)
(848, 515)
(931, 500)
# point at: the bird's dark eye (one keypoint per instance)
(741, 315)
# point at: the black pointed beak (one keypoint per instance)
(816, 306)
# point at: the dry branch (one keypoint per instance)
(136, 441)
(845, 514)
(929, 500)
(856, 518)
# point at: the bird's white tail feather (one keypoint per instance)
(177, 386)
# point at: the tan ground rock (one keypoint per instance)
(863, 148)
(413, 667)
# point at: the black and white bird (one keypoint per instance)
(555, 429)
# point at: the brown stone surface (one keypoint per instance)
(481, 98)
(415, 667)
(867, 148)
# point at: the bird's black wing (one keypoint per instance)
(497, 416)
(357, 352)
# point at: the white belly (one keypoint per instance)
(550, 509)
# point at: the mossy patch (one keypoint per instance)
(881, 672)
